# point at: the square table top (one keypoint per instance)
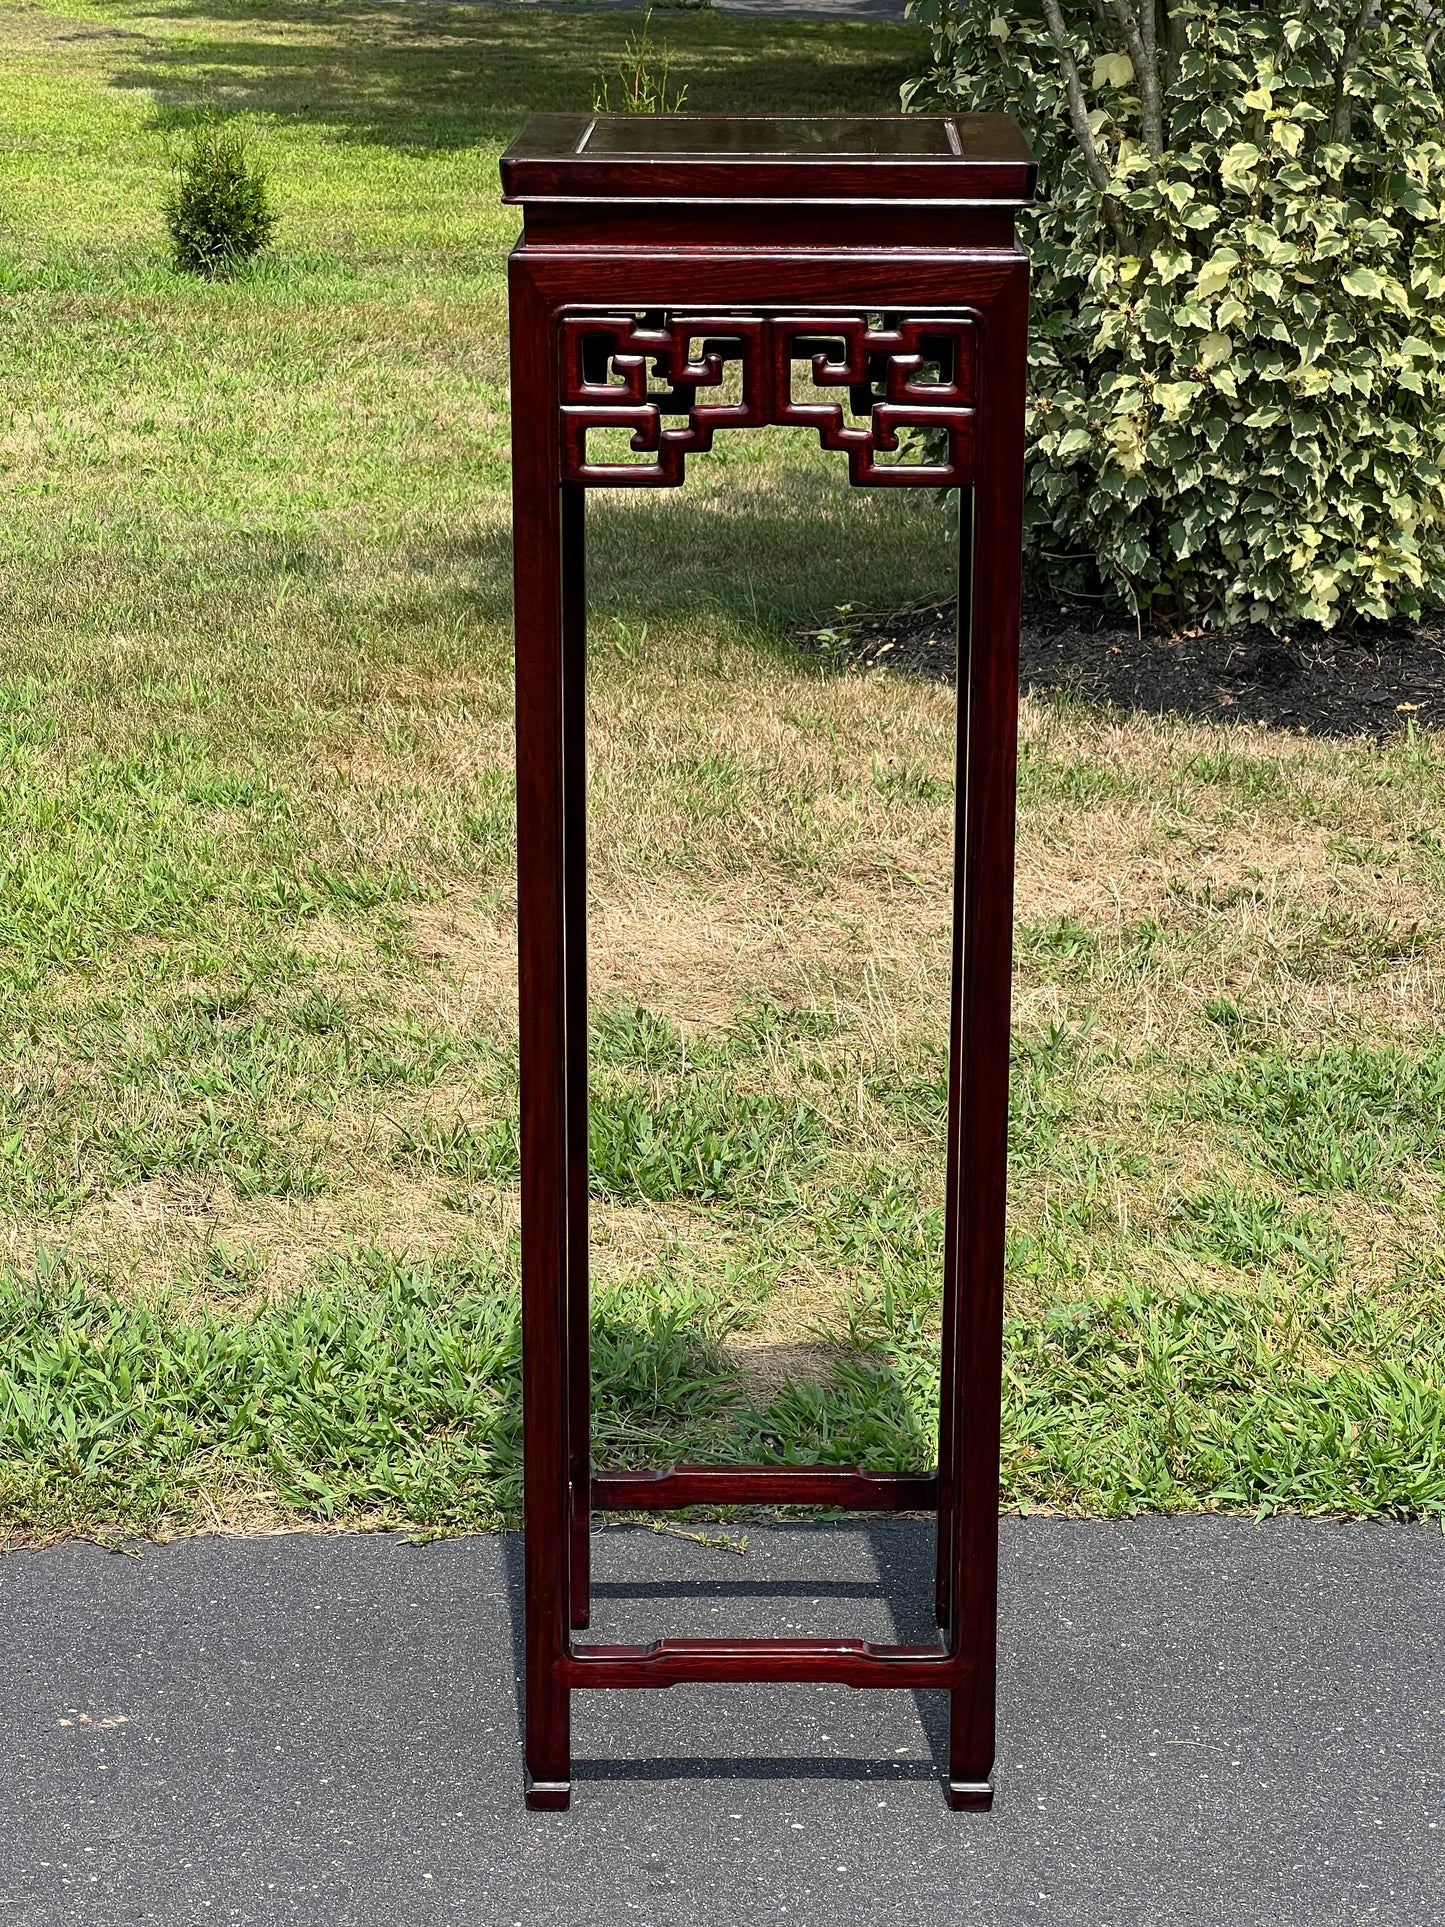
(791, 158)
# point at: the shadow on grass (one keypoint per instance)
(763, 558)
(428, 77)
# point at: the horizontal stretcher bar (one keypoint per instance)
(835, 1662)
(831, 1485)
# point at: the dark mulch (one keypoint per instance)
(1366, 681)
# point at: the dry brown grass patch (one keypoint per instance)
(160, 1236)
(768, 1367)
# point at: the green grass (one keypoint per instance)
(258, 1122)
(1336, 1120)
(384, 1389)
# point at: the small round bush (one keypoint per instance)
(219, 210)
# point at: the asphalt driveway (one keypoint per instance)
(1203, 1721)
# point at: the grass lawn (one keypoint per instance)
(257, 1137)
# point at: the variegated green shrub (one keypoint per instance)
(1238, 370)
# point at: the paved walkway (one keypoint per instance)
(816, 9)
(782, 9)
(1203, 1722)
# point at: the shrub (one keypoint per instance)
(219, 209)
(1238, 366)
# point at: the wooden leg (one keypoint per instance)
(979, 1082)
(943, 1582)
(541, 960)
(574, 782)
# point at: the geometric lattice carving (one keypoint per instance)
(859, 379)
(917, 373)
(629, 371)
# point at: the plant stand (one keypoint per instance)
(678, 275)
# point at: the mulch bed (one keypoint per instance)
(1368, 681)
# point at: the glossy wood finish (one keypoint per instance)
(831, 1485)
(542, 1045)
(859, 278)
(865, 382)
(965, 159)
(574, 910)
(831, 1662)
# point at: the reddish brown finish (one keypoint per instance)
(860, 278)
(590, 225)
(834, 1485)
(825, 159)
(919, 373)
(574, 887)
(831, 1662)
(542, 1036)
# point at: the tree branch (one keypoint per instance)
(1079, 120)
(1175, 41)
(1342, 120)
(1146, 67)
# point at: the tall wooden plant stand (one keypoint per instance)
(676, 276)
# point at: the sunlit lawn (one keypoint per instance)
(257, 1140)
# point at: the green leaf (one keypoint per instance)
(1113, 70)
(1215, 273)
(1175, 396)
(1236, 166)
(1171, 263)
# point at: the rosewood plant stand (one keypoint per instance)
(678, 275)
